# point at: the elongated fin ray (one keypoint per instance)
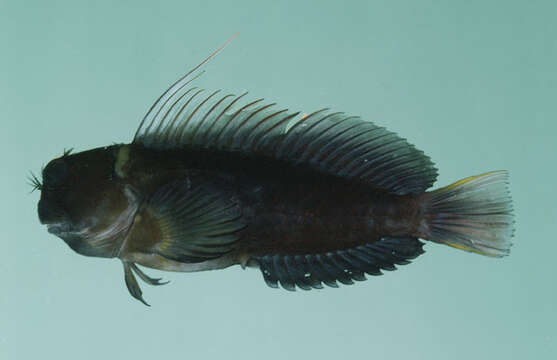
(175, 90)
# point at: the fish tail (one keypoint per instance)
(474, 214)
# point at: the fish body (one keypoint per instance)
(284, 209)
(211, 180)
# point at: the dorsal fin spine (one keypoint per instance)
(258, 137)
(210, 127)
(339, 147)
(174, 130)
(180, 84)
(263, 136)
(322, 142)
(330, 147)
(232, 136)
(192, 134)
(288, 135)
(172, 107)
(184, 124)
(370, 165)
(251, 129)
(300, 139)
(404, 165)
(377, 171)
(405, 174)
(154, 117)
(302, 142)
(217, 137)
(355, 155)
(223, 112)
(170, 125)
(355, 163)
(313, 144)
(339, 160)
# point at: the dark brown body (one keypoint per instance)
(212, 180)
(287, 210)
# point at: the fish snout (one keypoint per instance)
(45, 214)
(49, 213)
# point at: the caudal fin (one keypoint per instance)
(474, 214)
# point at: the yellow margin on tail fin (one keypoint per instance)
(468, 179)
(474, 214)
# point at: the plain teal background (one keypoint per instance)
(472, 83)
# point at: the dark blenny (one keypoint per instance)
(213, 180)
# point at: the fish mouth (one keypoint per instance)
(58, 229)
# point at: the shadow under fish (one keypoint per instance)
(212, 180)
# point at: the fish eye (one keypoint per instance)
(55, 172)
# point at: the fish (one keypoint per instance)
(212, 180)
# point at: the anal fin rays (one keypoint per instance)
(310, 271)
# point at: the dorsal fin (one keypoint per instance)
(329, 142)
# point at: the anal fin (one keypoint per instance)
(310, 271)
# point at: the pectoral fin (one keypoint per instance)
(194, 223)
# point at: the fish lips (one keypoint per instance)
(55, 219)
(64, 231)
(59, 228)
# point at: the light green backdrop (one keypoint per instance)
(472, 83)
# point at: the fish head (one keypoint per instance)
(83, 202)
